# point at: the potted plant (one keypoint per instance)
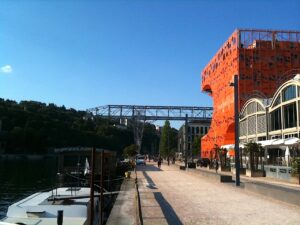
(254, 151)
(295, 178)
(224, 161)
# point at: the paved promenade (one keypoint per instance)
(172, 196)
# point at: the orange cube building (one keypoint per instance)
(262, 59)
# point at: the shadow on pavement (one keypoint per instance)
(148, 168)
(149, 180)
(167, 210)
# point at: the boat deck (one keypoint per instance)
(40, 208)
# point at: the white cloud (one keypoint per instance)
(6, 69)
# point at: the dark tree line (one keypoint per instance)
(35, 127)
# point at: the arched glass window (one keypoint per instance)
(289, 93)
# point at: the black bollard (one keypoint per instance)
(60, 215)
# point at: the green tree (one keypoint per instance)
(196, 146)
(168, 140)
(34, 127)
(150, 140)
(130, 151)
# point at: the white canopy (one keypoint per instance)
(278, 142)
(231, 146)
(273, 142)
(266, 142)
(291, 141)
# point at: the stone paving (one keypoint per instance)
(172, 196)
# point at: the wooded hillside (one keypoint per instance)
(35, 127)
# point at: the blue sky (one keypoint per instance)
(83, 54)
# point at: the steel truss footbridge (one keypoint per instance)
(139, 114)
(148, 113)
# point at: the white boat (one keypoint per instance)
(42, 208)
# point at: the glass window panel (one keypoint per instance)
(289, 115)
(277, 101)
(289, 93)
(275, 119)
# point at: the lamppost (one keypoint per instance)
(186, 141)
(235, 85)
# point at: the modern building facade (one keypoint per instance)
(195, 129)
(263, 60)
(274, 123)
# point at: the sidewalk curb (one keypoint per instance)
(281, 193)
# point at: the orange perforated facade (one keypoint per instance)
(262, 59)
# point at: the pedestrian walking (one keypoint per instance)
(216, 166)
(159, 162)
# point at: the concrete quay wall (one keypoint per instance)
(282, 193)
(124, 209)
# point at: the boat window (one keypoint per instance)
(73, 189)
(289, 93)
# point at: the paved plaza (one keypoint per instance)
(173, 196)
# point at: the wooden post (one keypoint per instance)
(91, 219)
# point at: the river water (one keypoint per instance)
(22, 177)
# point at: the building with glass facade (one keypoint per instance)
(274, 123)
